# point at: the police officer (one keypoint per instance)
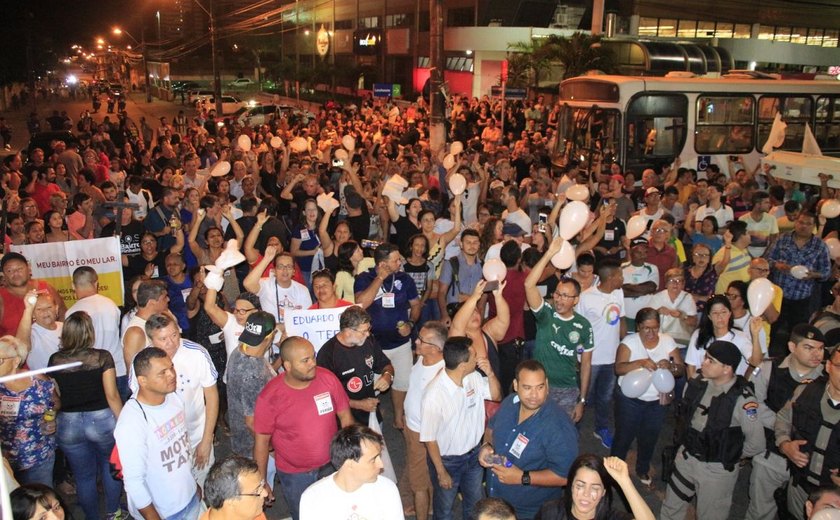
(719, 418)
(774, 382)
(808, 434)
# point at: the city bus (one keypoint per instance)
(647, 122)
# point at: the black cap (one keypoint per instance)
(8, 257)
(638, 242)
(726, 352)
(513, 229)
(259, 326)
(803, 330)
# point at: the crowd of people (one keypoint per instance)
(224, 229)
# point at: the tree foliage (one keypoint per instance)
(531, 61)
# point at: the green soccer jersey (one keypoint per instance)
(558, 343)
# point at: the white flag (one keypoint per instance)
(777, 135)
(809, 143)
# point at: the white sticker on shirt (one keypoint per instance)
(519, 446)
(471, 398)
(388, 300)
(9, 406)
(609, 235)
(304, 235)
(324, 403)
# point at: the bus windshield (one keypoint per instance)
(584, 130)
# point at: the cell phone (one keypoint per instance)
(369, 244)
(491, 286)
(542, 222)
(338, 163)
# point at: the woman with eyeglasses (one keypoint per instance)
(36, 502)
(676, 307)
(700, 275)
(718, 323)
(28, 438)
(590, 480)
(151, 262)
(641, 418)
(708, 235)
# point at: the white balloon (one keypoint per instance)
(565, 257)
(573, 218)
(577, 192)
(663, 380)
(829, 513)
(349, 142)
(299, 144)
(833, 247)
(636, 226)
(220, 169)
(457, 184)
(799, 272)
(636, 382)
(830, 208)
(244, 142)
(276, 142)
(760, 295)
(449, 161)
(456, 148)
(342, 154)
(494, 269)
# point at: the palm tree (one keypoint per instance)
(578, 54)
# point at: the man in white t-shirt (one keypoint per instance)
(154, 445)
(761, 225)
(105, 316)
(40, 331)
(196, 385)
(641, 281)
(429, 348)
(513, 214)
(279, 292)
(715, 207)
(603, 306)
(356, 489)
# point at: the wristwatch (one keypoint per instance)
(526, 478)
(582, 400)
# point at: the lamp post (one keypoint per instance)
(217, 82)
(142, 44)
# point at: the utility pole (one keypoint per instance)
(437, 103)
(217, 82)
(148, 80)
(597, 17)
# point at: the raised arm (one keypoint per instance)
(237, 229)
(450, 235)
(532, 294)
(193, 240)
(462, 317)
(217, 315)
(252, 281)
(323, 233)
(497, 327)
(251, 254)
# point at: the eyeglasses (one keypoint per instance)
(648, 329)
(760, 269)
(675, 280)
(281, 267)
(563, 296)
(702, 255)
(257, 492)
(243, 311)
(421, 340)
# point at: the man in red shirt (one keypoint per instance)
(296, 414)
(660, 252)
(19, 282)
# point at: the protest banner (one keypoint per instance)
(55, 262)
(317, 325)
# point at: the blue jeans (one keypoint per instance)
(639, 420)
(294, 484)
(601, 388)
(87, 439)
(467, 476)
(190, 512)
(39, 474)
(123, 389)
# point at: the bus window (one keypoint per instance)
(827, 127)
(796, 111)
(583, 129)
(724, 124)
(656, 127)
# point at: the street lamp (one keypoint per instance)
(217, 82)
(117, 31)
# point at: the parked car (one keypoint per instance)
(230, 104)
(260, 115)
(241, 82)
(184, 86)
(198, 95)
(116, 89)
(43, 140)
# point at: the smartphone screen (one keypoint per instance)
(491, 286)
(542, 222)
